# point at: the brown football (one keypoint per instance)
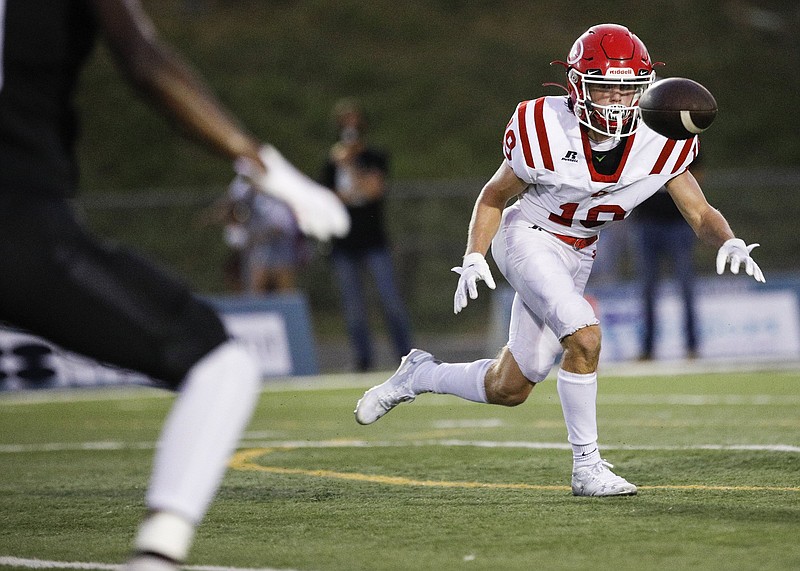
(678, 108)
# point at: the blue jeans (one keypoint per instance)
(347, 266)
(674, 242)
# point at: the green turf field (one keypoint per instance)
(438, 484)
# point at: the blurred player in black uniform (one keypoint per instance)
(104, 302)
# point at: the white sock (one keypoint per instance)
(202, 430)
(465, 380)
(578, 395)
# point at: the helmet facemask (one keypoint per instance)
(617, 119)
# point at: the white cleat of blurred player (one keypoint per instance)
(150, 563)
(318, 211)
(599, 480)
(382, 398)
(162, 543)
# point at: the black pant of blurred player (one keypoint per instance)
(107, 303)
(111, 305)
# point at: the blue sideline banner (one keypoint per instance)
(736, 319)
(748, 325)
(277, 329)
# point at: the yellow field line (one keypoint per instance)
(244, 460)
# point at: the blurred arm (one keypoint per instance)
(370, 183)
(164, 77)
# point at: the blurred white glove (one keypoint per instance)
(737, 252)
(474, 268)
(319, 212)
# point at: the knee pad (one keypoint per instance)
(536, 360)
(570, 315)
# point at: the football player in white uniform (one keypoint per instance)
(575, 164)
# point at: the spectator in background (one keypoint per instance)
(227, 213)
(272, 246)
(357, 173)
(662, 236)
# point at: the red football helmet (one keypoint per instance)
(605, 57)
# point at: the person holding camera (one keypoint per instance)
(357, 173)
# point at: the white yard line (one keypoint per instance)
(8, 561)
(103, 394)
(247, 443)
(335, 381)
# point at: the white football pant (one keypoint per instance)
(549, 278)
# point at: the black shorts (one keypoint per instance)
(99, 300)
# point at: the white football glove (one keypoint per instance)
(319, 212)
(737, 252)
(474, 268)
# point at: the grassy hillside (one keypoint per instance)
(440, 78)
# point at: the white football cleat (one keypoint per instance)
(599, 480)
(161, 544)
(382, 398)
(145, 562)
(318, 211)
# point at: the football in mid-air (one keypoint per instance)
(678, 108)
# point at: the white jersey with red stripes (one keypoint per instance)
(546, 147)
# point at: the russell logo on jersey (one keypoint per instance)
(570, 156)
